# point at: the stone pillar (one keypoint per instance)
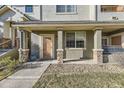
(59, 55)
(23, 55)
(98, 55)
(60, 47)
(23, 51)
(98, 51)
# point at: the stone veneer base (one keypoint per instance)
(98, 55)
(60, 56)
(23, 55)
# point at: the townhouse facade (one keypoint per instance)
(65, 32)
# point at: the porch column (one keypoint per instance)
(23, 51)
(60, 47)
(122, 40)
(98, 51)
(13, 37)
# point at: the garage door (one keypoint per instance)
(116, 40)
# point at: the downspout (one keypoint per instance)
(96, 13)
(41, 12)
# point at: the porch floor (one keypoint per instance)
(84, 61)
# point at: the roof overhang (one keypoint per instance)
(69, 25)
(5, 8)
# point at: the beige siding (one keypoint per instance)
(34, 15)
(84, 12)
(108, 16)
(88, 53)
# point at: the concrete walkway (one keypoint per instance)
(26, 77)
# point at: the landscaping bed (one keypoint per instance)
(82, 76)
(8, 63)
(7, 67)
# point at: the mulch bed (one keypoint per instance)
(82, 76)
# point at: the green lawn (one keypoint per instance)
(4, 74)
(82, 76)
(9, 61)
(7, 67)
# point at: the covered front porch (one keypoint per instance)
(65, 40)
(113, 45)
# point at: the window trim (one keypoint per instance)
(67, 13)
(107, 38)
(75, 40)
(29, 12)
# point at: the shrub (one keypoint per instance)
(13, 54)
(4, 62)
(9, 63)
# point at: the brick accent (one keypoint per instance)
(23, 55)
(59, 55)
(98, 55)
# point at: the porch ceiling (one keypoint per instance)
(72, 25)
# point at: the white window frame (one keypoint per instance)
(75, 40)
(65, 12)
(107, 38)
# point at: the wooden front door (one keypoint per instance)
(47, 47)
(116, 40)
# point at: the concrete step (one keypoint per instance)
(32, 65)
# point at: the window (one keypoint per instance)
(75, 39)
(112, 8)
(70, 40)
(65, 8)
(28, 8)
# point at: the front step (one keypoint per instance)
(31, 65)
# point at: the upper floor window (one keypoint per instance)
(28, 8)
(112, 8)
(65, 8)
(76, 39)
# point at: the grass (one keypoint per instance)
(80, 76)
(7, 67)
(4, 74)
(9, 61)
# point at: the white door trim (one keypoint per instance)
(41, 45)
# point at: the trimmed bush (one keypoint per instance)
(8, 63)
(13, 54)
(10, 59)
